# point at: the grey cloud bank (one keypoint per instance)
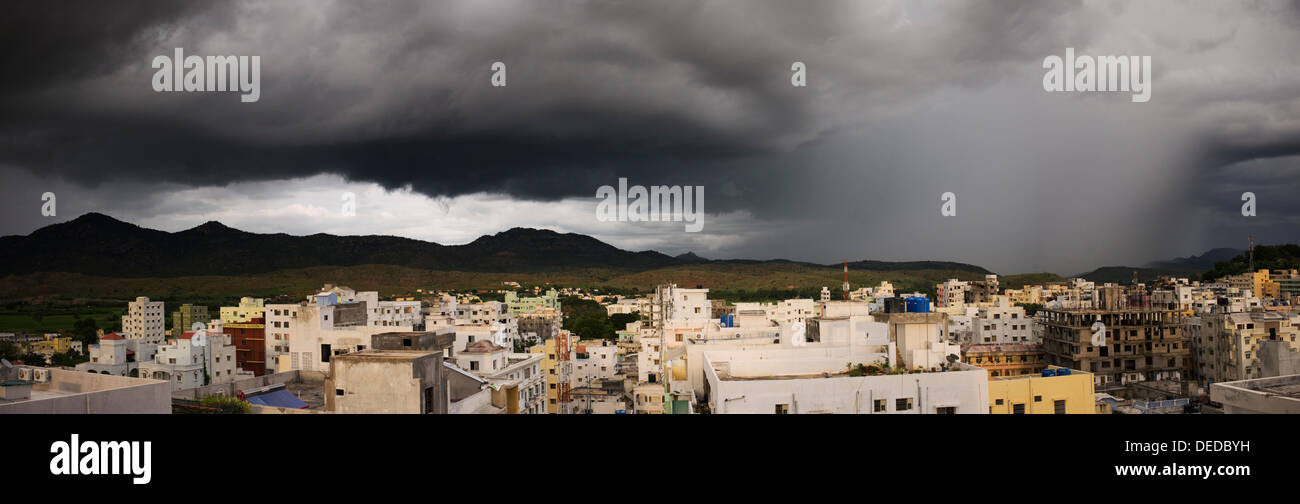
(905, 100)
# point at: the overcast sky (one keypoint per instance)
(905, 100)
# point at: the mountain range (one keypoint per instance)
(99, 245)
(96, 244)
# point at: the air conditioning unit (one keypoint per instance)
(41, 375)
(25, 374)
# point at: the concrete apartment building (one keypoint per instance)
(594, 360)
(34, 390)
(1006, 360)
(144, 324)
(323, 330)
(184, 318)
(557, 366)
(1001, 323)
(540, 324)
(951, 294)
(1229, 345)
(387, 381)
(1140, 345)
(187, 364)
(518, 305)
(248, 309)
(279, 318)
(518, 383)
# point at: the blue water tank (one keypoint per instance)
(1049, 372)
(731, 320)
(918, 305)
(1063, 372)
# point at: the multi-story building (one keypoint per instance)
(558, 368)
(1231, 344)
(594, 360)
(144, 323)
(55, 344)
(1139, 345)
(180, 362)
(1001, 323)
(279, 318)
(540, 324)
(517, 305)
(248, 309)
(1006, 360)
(249, 338)
(184, 318)
(397, 313)
(951, 294)
(517, 377)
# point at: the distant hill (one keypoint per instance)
(96, 244)
(1271, 257)
(1124, 274)
(1201, 262)
(913, 265)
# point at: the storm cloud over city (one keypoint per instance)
(905, 101)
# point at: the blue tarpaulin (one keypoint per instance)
(278, 398)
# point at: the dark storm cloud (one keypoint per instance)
(398, 93)
(906, 99)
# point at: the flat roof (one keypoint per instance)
(391, 355)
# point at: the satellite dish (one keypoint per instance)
(953, 358)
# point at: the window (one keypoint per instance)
(325, 353)
(998, 402)
(338, 392)
(1059, 406)
(1017, 409)
(903, 404)
(879, 405)
(782, 409)
(946, 410)
(1038, 398)
(473, 365)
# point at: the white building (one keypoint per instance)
(1001, 324)
(787, 381)
(593, 361)
(144, 322)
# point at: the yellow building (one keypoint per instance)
(248, 309)
(1037, 394)
(556, 367)
(53, 344)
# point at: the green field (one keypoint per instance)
(41, 318)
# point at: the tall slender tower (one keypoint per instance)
(846, 280)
